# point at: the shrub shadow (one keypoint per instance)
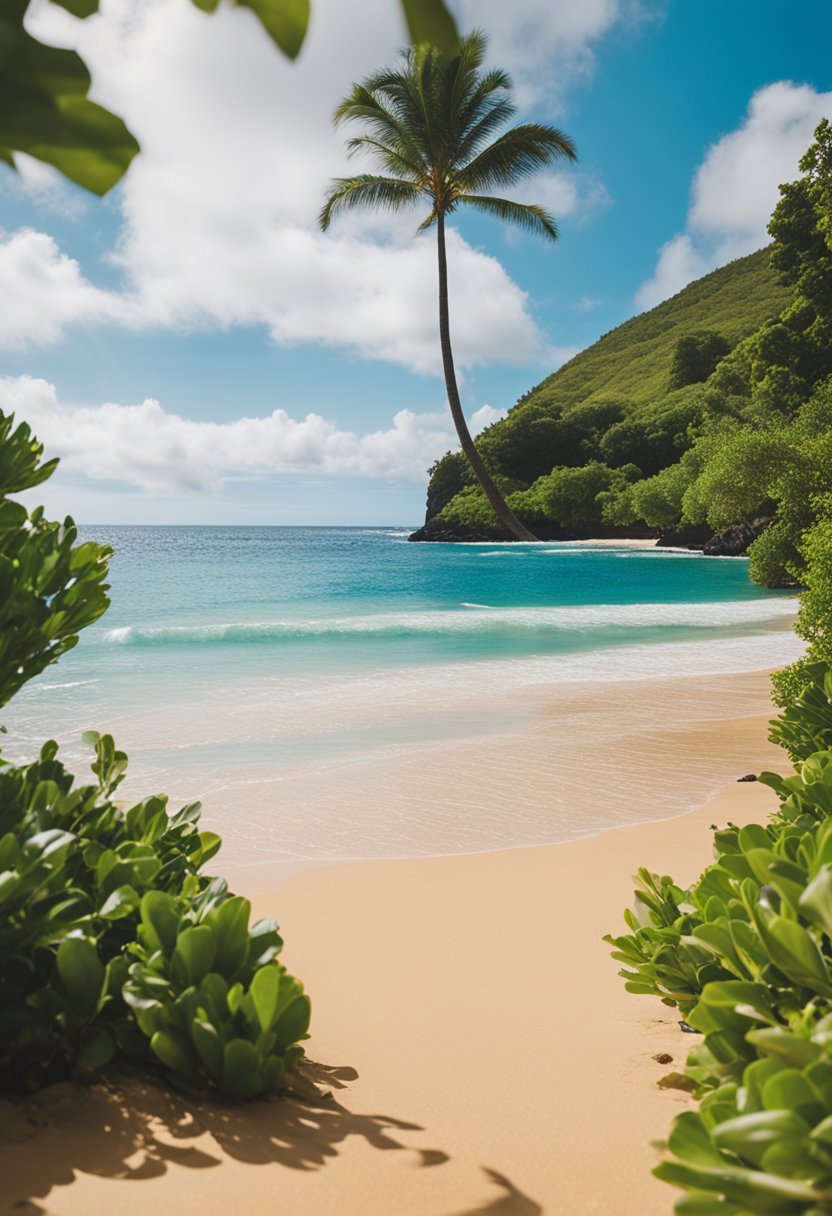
(133, 1129)
(511, 1203)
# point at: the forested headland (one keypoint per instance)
(706, 421)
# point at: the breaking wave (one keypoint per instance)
(467, 620)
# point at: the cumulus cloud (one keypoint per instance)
(567, 193)
(219, 210)
(145, 447)
(735, 190)
(44, 291)
(547, 45)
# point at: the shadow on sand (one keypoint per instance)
(511, 1203)
(133, 1129)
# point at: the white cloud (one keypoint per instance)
(568, 194)
(147, 448)
(587, 304)
(485, 416)
(735, 190)
(547, 45)
(219, 210)
(44, 291)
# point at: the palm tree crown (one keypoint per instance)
(434, 127)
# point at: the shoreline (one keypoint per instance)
(479, 1045)
(677, 739)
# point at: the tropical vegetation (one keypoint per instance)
(745, 955)
(114, 944)
(435, 128)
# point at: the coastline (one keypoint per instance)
(560, 761)
(483, 1054)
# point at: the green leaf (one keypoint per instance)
(430, 21)
(45, 111)
(241, 1072)
(99, 1051)
(209, 1045)
(174, 1050)
(285, 21)
(234, 998)
(121, 902)
(265, 991)
(82, 974)
(816, 901)
(754, 1190)
(79, 8)
(293, 1022)
(209, 845)
(193, 958)
(159, 921)
(785, 1046)
(700, 1203)
(794, 952)
(229, 922)
(691, 1141)
(789, 1089)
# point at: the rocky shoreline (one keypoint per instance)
(729, 542)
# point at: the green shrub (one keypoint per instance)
(50, 588)
(746, 956)
(206, 991)
(695, 356)
(805, 727)
(113, 943)
(814, 620)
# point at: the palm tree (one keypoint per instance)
(432, 128)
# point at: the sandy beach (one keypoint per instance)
(482, 1054)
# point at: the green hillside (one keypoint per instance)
(634, 360)
(619, 412)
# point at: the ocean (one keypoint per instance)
(288, 674)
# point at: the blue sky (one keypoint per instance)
(200, 293)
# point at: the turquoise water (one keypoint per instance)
(229, 652)
(198, 608)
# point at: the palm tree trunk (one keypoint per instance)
(501, 508)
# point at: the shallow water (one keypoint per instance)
(262, 665)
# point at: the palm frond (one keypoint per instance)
(516, 154)
(352, 193)
(433, 122)
(487, 120)
(384, 122)
(462, 88)
(388, 158)
(428, 221)
(528, 216)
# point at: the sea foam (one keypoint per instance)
(470, 619)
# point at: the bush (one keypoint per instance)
(112, 940)
(806, 726)
(746, 956)
(695, 356)
(50, 588)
